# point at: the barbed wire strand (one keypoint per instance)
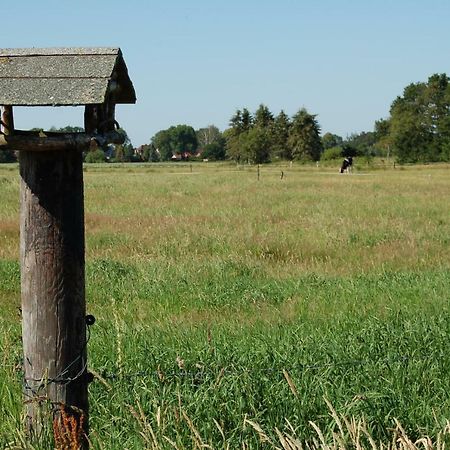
(205, 371)
(200, 372)
(61, 377)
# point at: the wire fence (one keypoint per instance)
(361, 164)
(193, 371)
(202, 373)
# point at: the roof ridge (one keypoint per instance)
(59, 51)
(55, 78)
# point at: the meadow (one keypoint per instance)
(232, 312)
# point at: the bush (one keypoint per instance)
(332, 153)
(95, 157)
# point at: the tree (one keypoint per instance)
(410, 133)
(304, 138)
(236, 122)
(153, 154)
(241, 121)
(382, 128)
(246, 120)
(208, 135)
(361, 143)
(240, 124)
(233, 144)
(162, 143)
(66, 129)
(184, 140)
(211, 143)
(180, 139)
(263, 117)
(349, 150)
(330, 140)
(332, 153)
(214, 151)
(383, 140)
(256, 145)
(280, 136)
(420, 121)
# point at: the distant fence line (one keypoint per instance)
(226, 166)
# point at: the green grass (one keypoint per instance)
(221, 299)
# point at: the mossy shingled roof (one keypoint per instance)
(64, 76)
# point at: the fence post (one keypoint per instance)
(53, 290)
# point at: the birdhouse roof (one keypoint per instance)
(64, 76)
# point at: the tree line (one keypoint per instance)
(251, 138)
(417, 130)
(256, 138)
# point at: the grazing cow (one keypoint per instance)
(347, 164)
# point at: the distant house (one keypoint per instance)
(184, 156)
(140, 151)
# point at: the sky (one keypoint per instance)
(197, 62)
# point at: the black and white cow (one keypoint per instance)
(347, 164)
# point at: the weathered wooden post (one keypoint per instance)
(52, 219)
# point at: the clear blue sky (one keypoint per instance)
(197, 62)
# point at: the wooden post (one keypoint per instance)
(53, 292)
(91, 118)
(7, 118)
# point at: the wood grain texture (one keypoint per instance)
(7, 117)
(54, 142)
(53, 282)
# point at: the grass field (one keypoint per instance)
(225, 304)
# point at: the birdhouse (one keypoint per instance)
(52, 242)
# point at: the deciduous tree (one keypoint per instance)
(180, 139)
(208, 135)
(420, 121)
(330, 140)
